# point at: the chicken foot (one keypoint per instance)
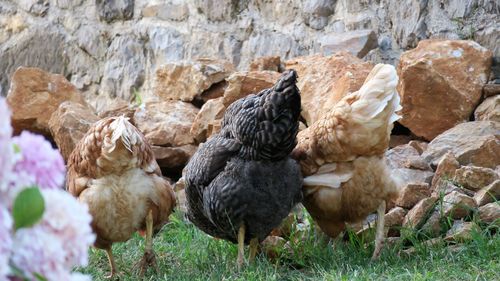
(112, 263)
(254, 246)
(241, 246)
(380, 232)
(149, 258)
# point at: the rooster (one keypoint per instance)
(342, 157)
(242, 183)
(113, 170)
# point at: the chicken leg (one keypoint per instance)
(149, 258)
(380, 232)
(112, 264)
(241, 246)
(254, 245)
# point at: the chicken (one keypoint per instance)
(342, 156)
(242, 183)
(113, 170)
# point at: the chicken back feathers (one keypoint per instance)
(342, 154)
(243, 174)
(113, 170)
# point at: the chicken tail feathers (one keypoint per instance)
(378, 100)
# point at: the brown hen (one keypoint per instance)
(342, 156)
(112, 169)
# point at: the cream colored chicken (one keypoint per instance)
(342, 156)
(113, 170)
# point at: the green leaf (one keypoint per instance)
(17, 149)
(39, 277)
(28, 207)
(138, 98)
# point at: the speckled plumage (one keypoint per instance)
(243, 174)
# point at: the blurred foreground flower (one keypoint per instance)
(44, 231)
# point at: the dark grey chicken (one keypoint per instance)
(242, 183)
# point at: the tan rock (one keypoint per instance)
(186, 80)
(490, 212)
(439, 75)
(488, 194)
(398, 156)
(241, 84)
(394, 220)
(490, 90)
(173, 157)
(420, 146)
(460, 231)
(214, 127)
(68, 125)
(473, 143)
(35, 95)
(412, 194)
(397, 140)
(445, 168)
(180, 197)
(273, 246)
(409, 176)
(118, 108)
(272, 63)
(167, 123)
(209, 112)
(444, 187)
(180, 184)
(432, 227)
(215, 91)
(324, 80)
(474, 178)
(419, 213)
(489, 109)
(457, 205)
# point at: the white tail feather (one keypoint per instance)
(122, 129)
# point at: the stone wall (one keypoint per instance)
(109, 48)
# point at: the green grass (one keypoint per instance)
(185, 253)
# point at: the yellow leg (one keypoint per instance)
(241, 246)
(112, 264)
(149, 258)
(254, 245)
(380, 233)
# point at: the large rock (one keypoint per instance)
(173, 157)
(412, 193)
(406, 156)
(68, 125)
(438, 76)
(445, 169)
(316, 12)
(457, 205)
(186, 80)
(209, 112)
(35, 95)
(417, 215)
(272, 63)
(472, 143)
(461, 231)
(489, 109)
(241, 84)
(474, 178)
(171, 10)
(358, 42)
(323, 81)
(167, 123)
(488, 194)
(489, 212)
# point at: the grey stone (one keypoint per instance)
(111, 10)
(124, 67)
(167, 44)
(35, 7)
(358, 42)
(316, 12)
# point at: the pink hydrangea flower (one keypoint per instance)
(70, 221)
(39, 159)
(7, 158)
(38, 252)
(59, 242)
(5, 242)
